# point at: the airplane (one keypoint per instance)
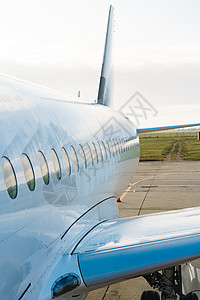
(63, 166)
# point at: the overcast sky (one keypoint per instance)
(59, 44)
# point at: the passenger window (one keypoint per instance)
(114, 147)
(122, 145)
(44, 167)
(28, 171)
(111, 147)
(82, 154)
(94, 152)
(9, 177)
(103, 148)
(100, 155)
(89, 154)
(131, 143)
(108, 149)
(126, 145)
(66, 160)
(119, 143)
(117, 146)
(56, 164)
(74, 158)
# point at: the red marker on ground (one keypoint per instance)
(119, 200)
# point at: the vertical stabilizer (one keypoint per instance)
(105, 93)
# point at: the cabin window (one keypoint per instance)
(100, 155)
(108, 149)
(103, 148)
(94, 152)
(89, 154)
(43, 167)
(111, 147)
(66, 160)
(9, 177)
(114, 147)
(56, 164)
(119, 145)
(131, 143)
(127, 148)
(124, 143)
(74, 158)
(82, 154)
(28, 172)
(128, 144)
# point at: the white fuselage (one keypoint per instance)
(35, 225)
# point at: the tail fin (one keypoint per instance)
(105, 93)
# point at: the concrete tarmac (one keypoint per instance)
(155, 187)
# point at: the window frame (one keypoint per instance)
(95, 154)
(103, 150)
(72, 149)
(57, 172)
(122, 145)
(100, 152)
(83, 156)
(89, 153)
(108, 149)
(31, 167)
(46, 164)
(114, 146)
(14, 176)
(117, 146)
(66, 158)
(111, 147)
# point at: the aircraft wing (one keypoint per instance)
(145, 130)
(125, 248)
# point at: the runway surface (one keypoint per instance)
(155, 187)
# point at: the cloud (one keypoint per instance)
(69, 79)
(159, 83)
